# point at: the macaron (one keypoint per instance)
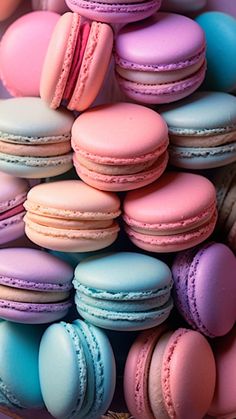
(202, 130)
(220, 32)
(23, 48)
(122, 11)
(7, 8)
(34, 286)
(161, 59)
(76, 62)
(19, 373)
(174, 213)
(120, 146)
(123, 291)
(71, 216)
(13, 192)
(224, 403)
(164, 375)
(58, 6)
(205, 288)
(35, 140)
(77, 370)
(183, 6)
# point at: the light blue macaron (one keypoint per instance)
(123, 291)
(202, 130)
(19, 376)
(77, 370)
(220, 32)
(34, 139)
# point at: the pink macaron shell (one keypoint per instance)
(212, 289)
(22, 52)
(188, 375)
(137, 370)
(122, 182)
(7, 8)
(58, 59)
(58, 6)
(224, 402)
(94, 66)
(120, 12)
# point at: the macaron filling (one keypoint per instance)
(19, 209)
(38, 150)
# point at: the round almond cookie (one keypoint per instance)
(123, 291)
(160, 59)
(119, 147)
(174, 213)
(34, 286)
(202, 130)
(76, 62)
(22, 51)
(120, 11)
(205, 288)
(71, 216)
(34, 139)
(164, 372)
(13, 192)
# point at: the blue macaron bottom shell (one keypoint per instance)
(77, 370)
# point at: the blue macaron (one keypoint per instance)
(202, 130)
(19, 376)
(77, 370)
(123, 291)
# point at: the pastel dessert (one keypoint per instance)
(76, 62)
(34, 286)
(225, 184)
(202, 130)
(27, 38)
(123, 291)
(35, 140)
(220, 32)
(164, 375)
(13, 192)
(77, 370)
(205, 288)
(19, 374)
(224, 404)
(7, 8)
(120, 146)
(120, 11)
(161, 59)
(58, 6)
(183, 6)
(174, 213)
(71, 216)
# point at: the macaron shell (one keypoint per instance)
(188, 362)
(93, 69)
(13, 191)
(12, 228)
(29, 37)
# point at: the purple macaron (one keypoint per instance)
(205, 288)
(34, 286)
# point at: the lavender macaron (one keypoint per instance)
(34, 286)
(205, 288)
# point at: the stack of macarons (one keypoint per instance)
(117, 209)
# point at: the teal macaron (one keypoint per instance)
(77, 370)
(34, 139)
(123, 291)
(19, 375)
(202, 130)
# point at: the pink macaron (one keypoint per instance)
(118, 11)
(164, 375)
(174, 213)
(22, 51)
(119, 147)
(76, 62)
(160, 59)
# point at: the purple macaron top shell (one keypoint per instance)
(167, 41)
(34, 269)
